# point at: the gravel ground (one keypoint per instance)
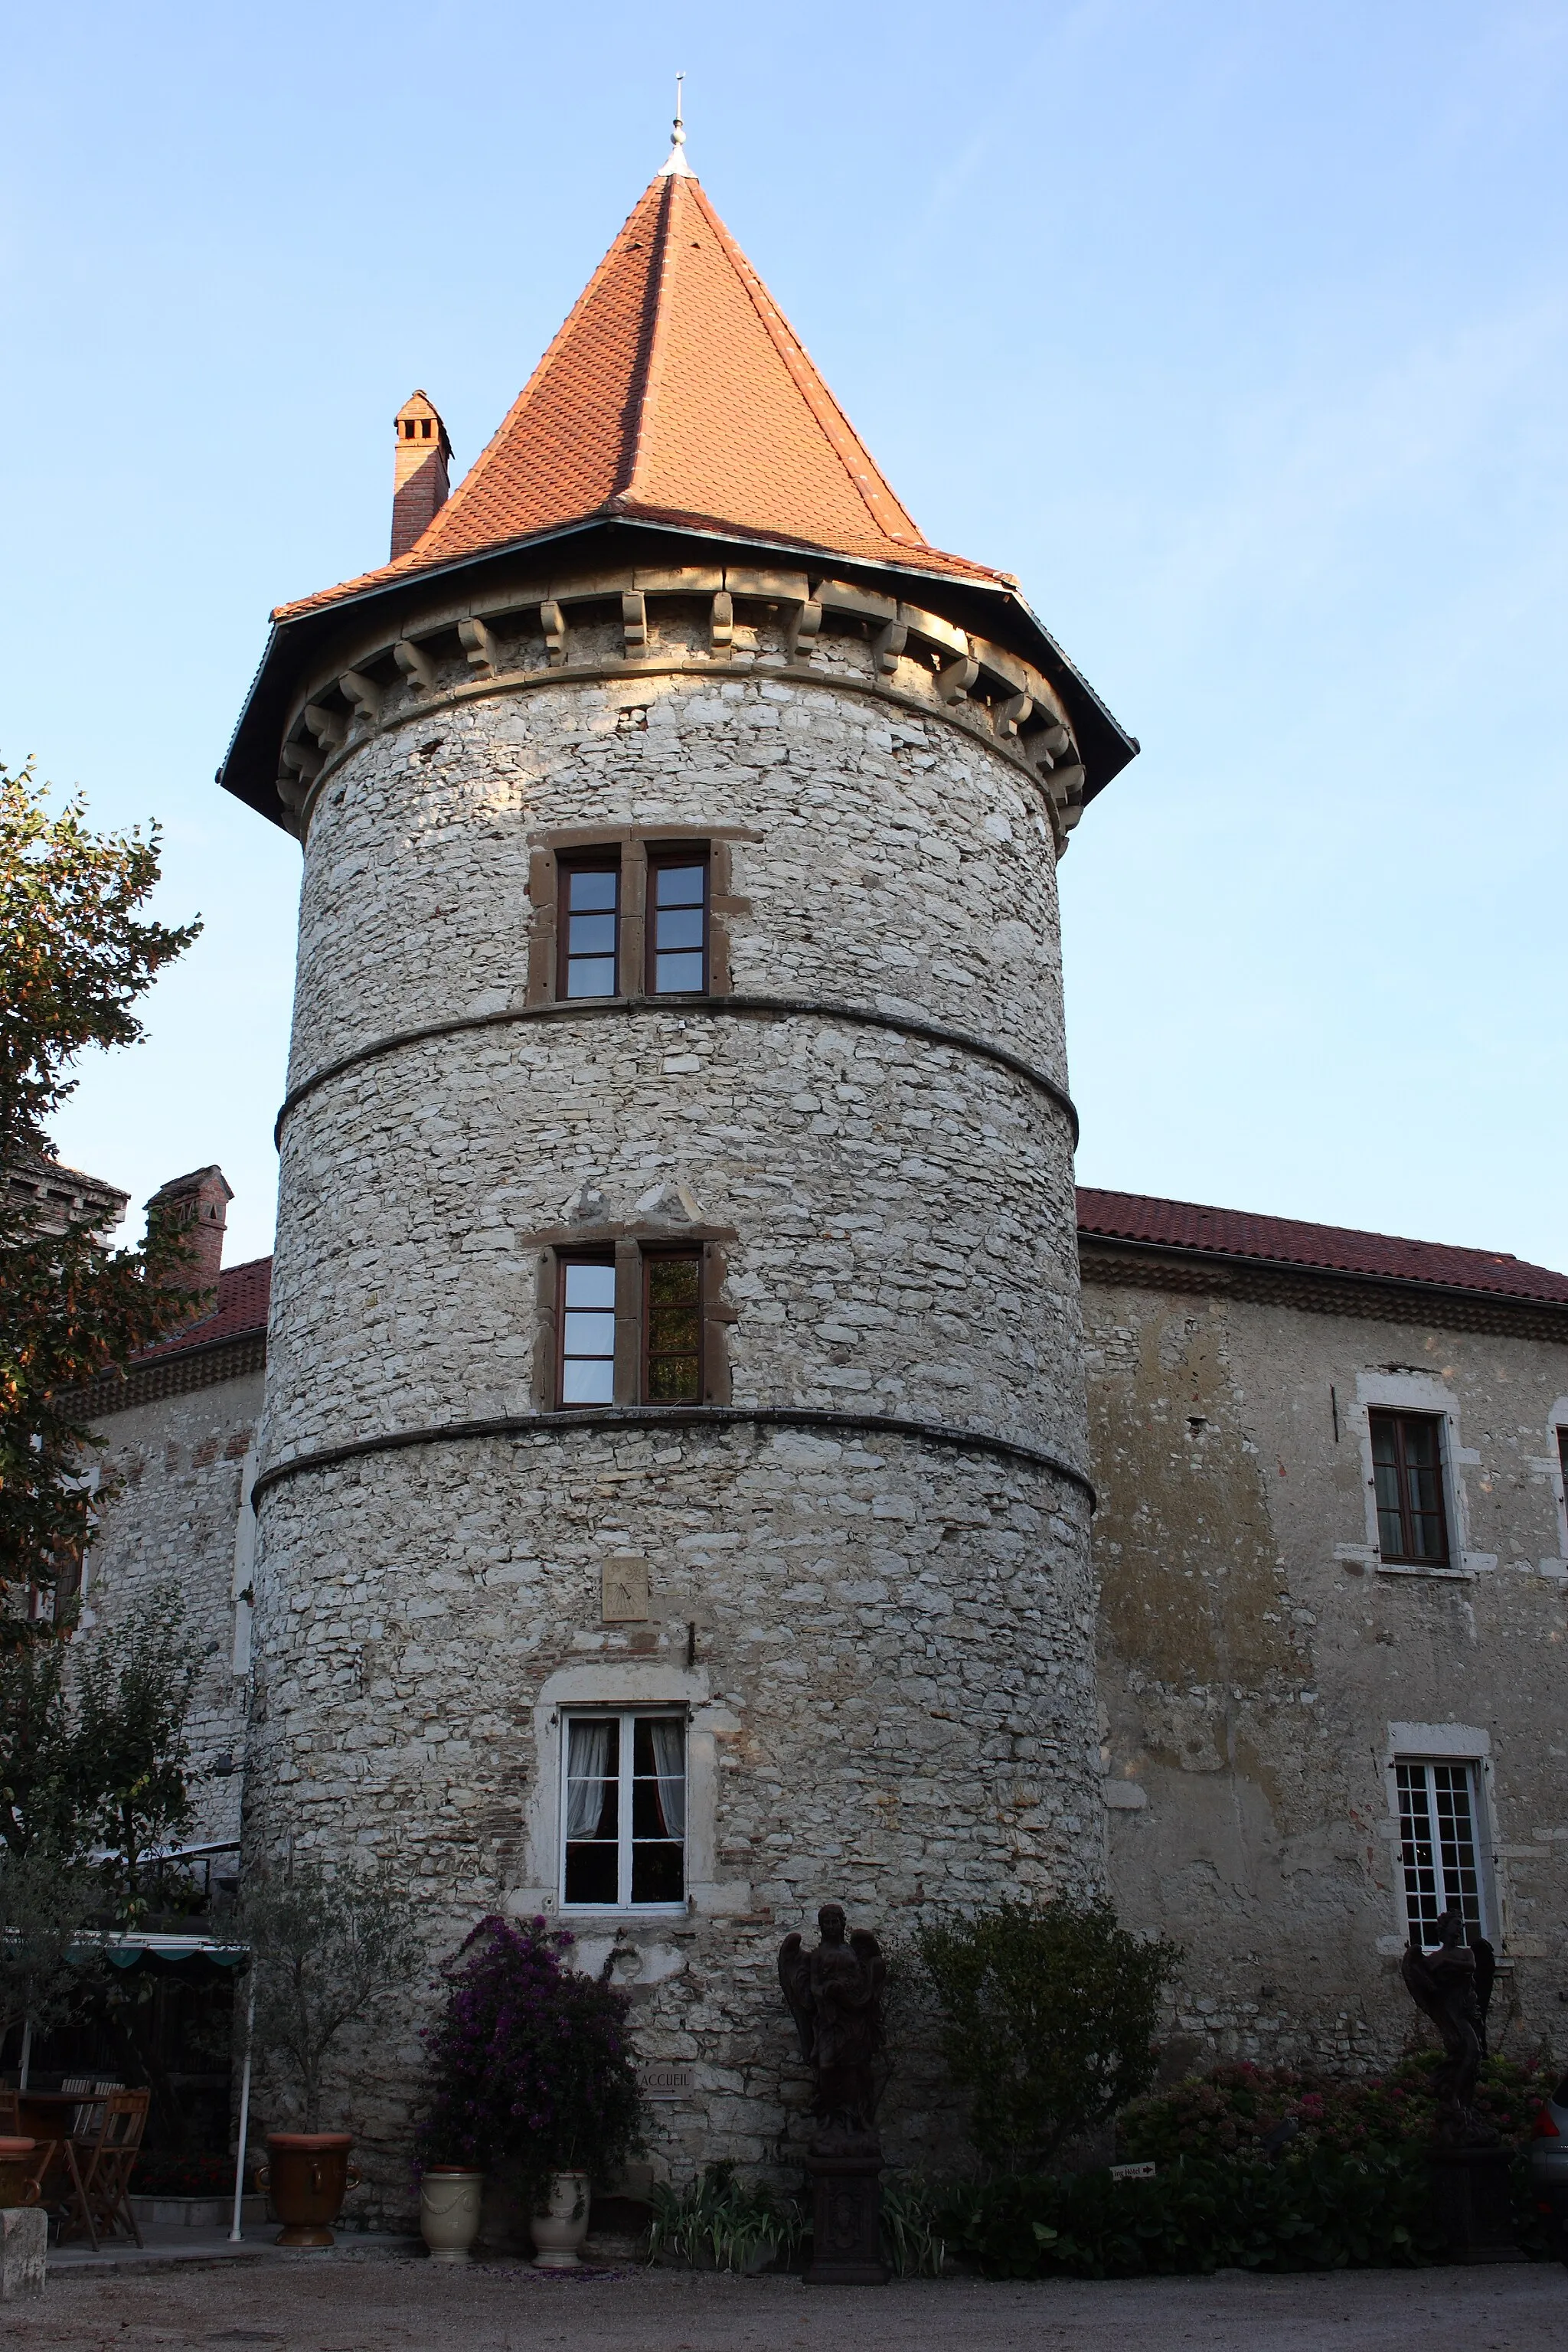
(347, 2304)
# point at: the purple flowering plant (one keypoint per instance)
(531, 2069)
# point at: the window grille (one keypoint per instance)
(623, 1822)
(1438, 1843)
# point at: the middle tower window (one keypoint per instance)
(631, 1327)
(676, 924)
(590, 935)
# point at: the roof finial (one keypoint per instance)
(677, 164)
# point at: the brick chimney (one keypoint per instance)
(197, 1206)
(419, 482)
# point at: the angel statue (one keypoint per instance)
(835, 1995)
(1453, 1985)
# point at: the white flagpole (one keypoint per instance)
(235, 2233)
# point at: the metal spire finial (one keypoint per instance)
(676, 162)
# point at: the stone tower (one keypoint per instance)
(672, 1506)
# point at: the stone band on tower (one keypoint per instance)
(673, 1510)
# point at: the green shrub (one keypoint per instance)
(1317, 2212)
(912, 2241)
(716, 2222)
(1048, 2013)
(1232, 2110)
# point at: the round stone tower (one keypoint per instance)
(672, 1510)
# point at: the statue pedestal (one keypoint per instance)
(1470, 2198)
(847, 2212)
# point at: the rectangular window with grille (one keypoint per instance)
(589, 930)
(1438, 1843)
(587, 1331)
(672, 1327)
(1407, 1473)
(623, 1822)
(677, 925)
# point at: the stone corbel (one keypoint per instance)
(955, 680)
(292, 791)
(721, 627)
(363, 693)
(887, 645)
(481, 646)
(1011, 715)
(416, 665)
(1055, 739)
(552, 622)
(804, 625)
(1065, 789)
(328, 727)
(634, 621)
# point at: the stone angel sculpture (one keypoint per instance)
(1452, 1986)
(835, 1995)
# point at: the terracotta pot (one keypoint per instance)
(18, 2186)
(560, 2224)
(306, 2175)
(450, 2197)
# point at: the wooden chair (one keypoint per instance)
(101, 2161)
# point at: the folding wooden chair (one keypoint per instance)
(101, 2162)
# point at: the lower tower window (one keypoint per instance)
(623, 1842)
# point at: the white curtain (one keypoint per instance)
(670, 1763)
(587, 1768)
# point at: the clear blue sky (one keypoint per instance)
(1237, 331)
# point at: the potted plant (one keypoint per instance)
(532, 2078)
(324, 1951)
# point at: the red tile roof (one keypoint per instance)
(1290, 1242)
(677, 391)
(243, 1292)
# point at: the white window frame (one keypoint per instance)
(628, 1718)
(1470, 1744)
(1445, 1895)
(1557, 1425)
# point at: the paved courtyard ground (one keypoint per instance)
(356, 2303)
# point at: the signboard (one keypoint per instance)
(1132, 2172)
(660, 2082)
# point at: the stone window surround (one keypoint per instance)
(583, 1711)
(629, 1682)
(629, 1244)
(1557, 1433)
(1444, 1743)
(1423, 1392)
(633, 844)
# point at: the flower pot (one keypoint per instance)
(450, 2197)
(560, 2224)
(307, 2175)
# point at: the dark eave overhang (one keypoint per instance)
(296, 645)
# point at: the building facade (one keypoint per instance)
(669, 1504)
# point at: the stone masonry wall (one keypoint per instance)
(884, 1644)
(173, 1522)
(1254, 1654)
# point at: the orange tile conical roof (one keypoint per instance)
(677, 391)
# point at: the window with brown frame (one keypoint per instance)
(676, 924)
(1408, 1473)
(587, 1317)
(589, 930)
(672, 1327)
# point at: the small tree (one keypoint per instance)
(44, 1901)
(324, 1952)
(533, 2069)
(128, 1749)
(38, 1759)
(1049, 2015)
(75, 954)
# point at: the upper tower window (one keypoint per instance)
(590, 930)
(1407, 1472)
(677, 926)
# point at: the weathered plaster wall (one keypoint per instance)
(1253, 1655)
(886, 1645)
(173, 1522)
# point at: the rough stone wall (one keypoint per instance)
(1253, 1655)
(885, 1645)
(173, 1522)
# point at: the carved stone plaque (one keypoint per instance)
(624, 1601)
